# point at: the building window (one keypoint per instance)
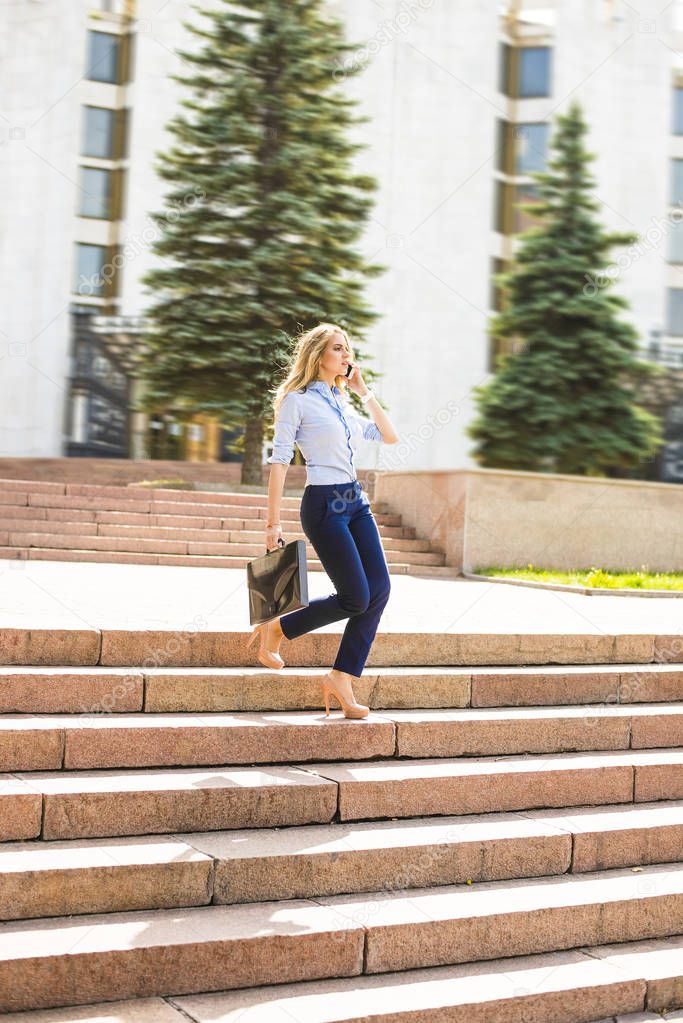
(90, 262)
(95, 193)
(677, 126)
(98, 132)
(676, 242)
(675, 312)
(531, 146)
(676, 197)
(103, 57)
(533, 78)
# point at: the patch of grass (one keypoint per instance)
(597, 578)
(176, 484)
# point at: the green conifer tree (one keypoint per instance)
(263, 210)
(567, 401)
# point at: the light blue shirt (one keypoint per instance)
(324, 425)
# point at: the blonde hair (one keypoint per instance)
(307, 351)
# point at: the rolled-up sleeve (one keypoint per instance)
(367, 428)
(286, 426)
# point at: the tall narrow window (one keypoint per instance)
(676, 196)
(98, 132)
(103, 57)
(534, 71)
(675, 312)
(531, 146)
(90, 264)
(96, 193)
(677, 111)
(676, 242)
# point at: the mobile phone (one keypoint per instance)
(349, 369)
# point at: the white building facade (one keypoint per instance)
(460, 97)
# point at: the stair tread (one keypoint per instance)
(380, 670)
(548, 983)
(333, 838)
(162, 779)
(140, 557)
(377, 910)
(304, 718)
(345, 772)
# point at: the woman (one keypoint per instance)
(310, 409)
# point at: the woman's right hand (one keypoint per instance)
(273, 534)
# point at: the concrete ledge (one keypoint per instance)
(482, 517)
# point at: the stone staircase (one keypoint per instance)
(138, 525)
(193, 840)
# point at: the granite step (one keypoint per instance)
(631, 981)
(71, 877)
(35, 742)
(63, 961)
(401, 567)
(36, 689)
(134, 492)
(166, 504)
(412, 788)
(102, 804)
(133, 543)
(19, 515)
(555, 987)
(210, 530)
(204, 648)
(107, 803)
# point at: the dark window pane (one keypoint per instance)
(531, 147)
(675, 312)
(677, 127)
(534, 71)
(676, 182)
(95, 192)
(103, 57)
(90, 260)
(98, 132)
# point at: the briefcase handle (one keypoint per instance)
(281, 542)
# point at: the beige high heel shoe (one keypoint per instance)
(268, 658)
(342, 690)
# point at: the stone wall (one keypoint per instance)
(490, 517)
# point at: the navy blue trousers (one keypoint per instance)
(338, 521)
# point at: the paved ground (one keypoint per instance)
(43, 594)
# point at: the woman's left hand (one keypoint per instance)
(356, 382)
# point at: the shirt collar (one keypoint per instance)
(320, 385)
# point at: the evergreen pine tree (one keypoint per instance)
(567, 401)
(262, 212)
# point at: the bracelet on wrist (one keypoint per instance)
(366, 397)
